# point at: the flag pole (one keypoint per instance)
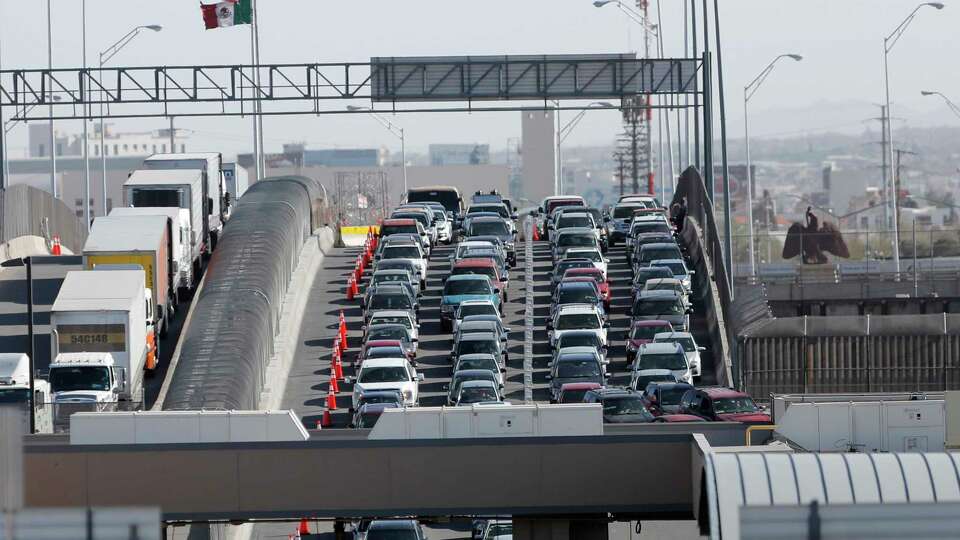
(256, 140)
(259, 115)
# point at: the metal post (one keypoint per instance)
(31, 349)
(707, 128)
(728, 219)
(256, 140)
(173, 134)
(53, 138)
(888, 161)
(916, 284)
(259, 105)
(696, 91)
(746, 137)
(84, 144)
(403, 156)
(3, 139)
(103, 144)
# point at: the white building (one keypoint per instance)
(117, 144)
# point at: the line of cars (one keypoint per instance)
(663, 357)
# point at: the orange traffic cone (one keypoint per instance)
(331, 399)
(536, 234)
(303, 528)
(354, 290)
(333, 381)
(343, 323)
(325, 420)
(343, 341)
(55, 249)
(351, 288)
(338, 368)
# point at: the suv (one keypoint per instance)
(690, 347)
(466, 287)
(574, 237)
(483, 267)
(664, 306)
(662, 356)
(573, 317)
(495, 227)
(387, 374)
(575, 364)
(664, 397)
(473, 307)
(410, 253)
(722, 405)
(619, 405)
(480, 343)
(576, 292)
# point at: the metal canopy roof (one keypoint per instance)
(736, 480)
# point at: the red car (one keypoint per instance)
(641, 333)
(573, 392)
(597, 275)
(723, 405)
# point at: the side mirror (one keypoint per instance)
(415, 340)
(549, 377)
(507, 330)
(446, 388)
(419, 377)
(606, 325)
(691, 272)
(514, 216)
(701, 349)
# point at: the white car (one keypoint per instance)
(395, 316)
(594, 254)
(572, 317)
(690, 347)
(473, 307)
(462, 247)
(667, 284)
(410, 252)
(388, 374)
(679, 269)
(646, 225)
(662, 356)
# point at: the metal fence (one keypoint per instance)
(850, 354)
(27, 210)
(361, 197)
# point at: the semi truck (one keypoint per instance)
(15, 388)
(137, 241)
(183, 280)
(237, 181)
(210, 166)
(101, 340)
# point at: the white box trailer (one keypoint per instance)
(99, 339)
(236, 181)
(15, 388)
(181, 268)
(210, 165)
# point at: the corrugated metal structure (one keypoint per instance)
(26, 210)
(229, 342)
(735, 481)
(888, 353)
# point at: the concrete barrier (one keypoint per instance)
(26, 246)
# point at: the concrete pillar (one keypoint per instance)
(13, 426)
(560, 529)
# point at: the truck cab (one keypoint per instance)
(85, 382)
(15, 388)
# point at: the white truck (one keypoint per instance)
(181, 269)
(237, 181)
(210, 166)
(15, 388)
(100, 340)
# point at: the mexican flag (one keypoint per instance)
(226, 13)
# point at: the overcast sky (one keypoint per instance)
(833, 88)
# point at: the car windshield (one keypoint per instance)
(672, 395)
(571, 321)
(563, 266)
(401, 252)
(499, 228)
(648, 227)
(594, 256)
(622, 212)
(483, 253)
(652, 254)
(387, 230)
(576, 295)
(649, 306)
(577, 240)
(734, 405)
(66, 379)
(477, 309)
(572, 396)
(477, 346)
(645, 332)
(662, 361)
(387, 333)
(485, 362)
(385, 352)
(390, 301)
(377, 533)
(685, 342)
(368, 419)
(615, 406)
(574, 221)
(500, 529)
(677, 268)
(553, 205)
(578, 340)
(578, 368)
(488, 271)
(643, 380)
(466, 286)
(389, 319)
(653, 272)
(382, 374)
(476, 394)
(379, 398)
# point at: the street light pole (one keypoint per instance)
(748, 92)
(953, 106)
(564, 132)
(85, 143)
(888, 44)
(53, 141)
(105, 56)
(395, 130)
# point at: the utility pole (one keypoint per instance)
(896, 190)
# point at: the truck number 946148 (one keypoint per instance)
(86, 339)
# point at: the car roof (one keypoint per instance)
(654, 372)
(487, 219)
(653, 269)
(660, 348)
(668, 260)
(480, 336)
(660, 245)
(671, 384)
(655, 281)
(382, 343)
(579, 386)
(576, 284)
(377, 407)
(491, 317)
(391, 313)
(586, 270)
(383, 362)
(381, 326)
(672, 335)
(393, 524)
(474, 262)
(576, 230)
(720, 392)
(577, 308)
(651, 322)
(477, 324)
(613, 391)
(391, 271)
(403, 221)
(658, 295)
(474, 373)
(477, 382)
(575, 332)
(475, 356)
(477, 302)
(467, 277)
(583, 249)
(577, 353)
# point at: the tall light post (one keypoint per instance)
(748, 92)
(888, 44)
(953, 106)
(564, 132)
(394, 129)
(105, 56)
(53, 137)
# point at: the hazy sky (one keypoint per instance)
(832, 88)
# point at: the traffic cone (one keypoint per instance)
(343, 341)
(343, 324)
(55, 249)
(536, 234)
(325, 420)
(354, 290)
(333, 381)
(338, 368)
(351, 288)
(331, 399)
(303, 528)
